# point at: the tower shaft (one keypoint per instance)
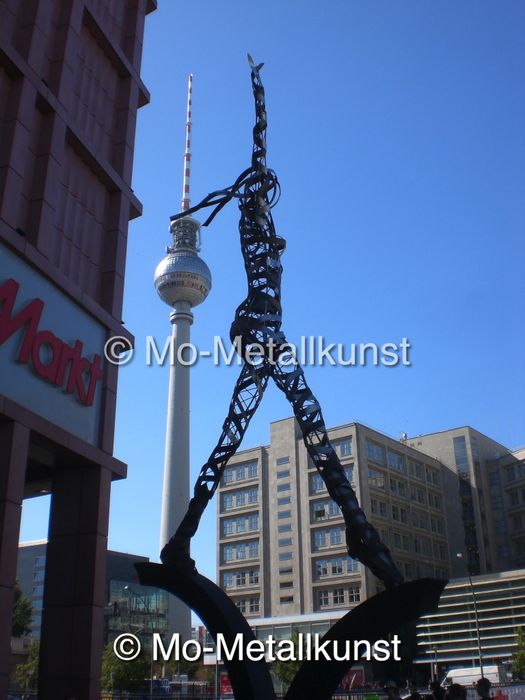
(176, 484)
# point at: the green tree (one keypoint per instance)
(123, 675)
(518, 658)
(22, 613)
(27, 672)
(286, 670)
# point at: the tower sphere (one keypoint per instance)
(182, 276)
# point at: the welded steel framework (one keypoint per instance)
(257, 327)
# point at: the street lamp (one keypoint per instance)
(148, 610)
(459, 555)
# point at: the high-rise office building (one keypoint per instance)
(491, 497)
(281, 548)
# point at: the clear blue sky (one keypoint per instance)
(396, 130)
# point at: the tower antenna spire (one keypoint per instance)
(185, 203)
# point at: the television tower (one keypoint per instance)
(182, 280)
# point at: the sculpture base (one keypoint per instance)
(372, 620)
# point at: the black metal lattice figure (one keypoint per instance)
(257, 324)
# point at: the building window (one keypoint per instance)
(434, 500)
(252, 470)
(354, 594)
(253, 522)
(40, 561)
(283, 487)
(375, 452)
(319, 539)
(240, 579)
(343, 447)
(316, 483)
(417, 494)
(416, 469)
(282, 460)
(284, 528)
(286, 584)
(284, 500)
(323, 599)
(283, 473)
(227, 476)
(286, 599)
(285, 542)
(285, 556)
(337, 567)
(336, 535)
(227, 527)
(253, 576)
(227, 501)
(396, 461)
(333, 509)
(241, 604)
(321, 567)
(227, 580)
(460, 454)
(433, 476)
(398, 487)
(254, 605)
(284, 514)
(228, 553)
(338, 596)
(319, 511)
(241, 551)
(399, 514)
(38, 575)
(253, 549)
(241, 525)
(240, 473)
(285, 571)
(376, 478)
(239, 498)
(252, 495)
(352, 565)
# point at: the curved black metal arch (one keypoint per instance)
(316, 680)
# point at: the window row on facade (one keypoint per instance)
(335, 597)
(417, 518)
(239, 472)
(317, 484)
(239, 499)
(516, 497)
(515, 472)
(395, 460)
(240, 579)
(335, 566)
(327, 537)
(422, 546)
(242, 550)
(378, 480)
(248, 606)
(240, 525)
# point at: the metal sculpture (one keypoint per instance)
(257, 324)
